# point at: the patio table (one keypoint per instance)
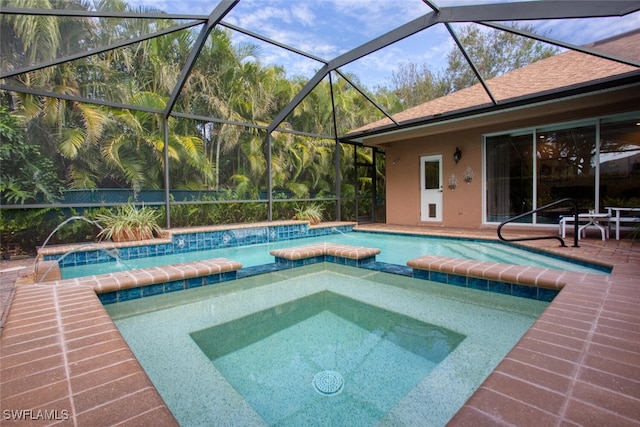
(617, 219)
(594, 221)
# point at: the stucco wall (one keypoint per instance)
(461, 207)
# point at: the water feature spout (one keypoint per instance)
(248, 236)
(66, 221)
(112, 253)
(73, 218)
(341, 232)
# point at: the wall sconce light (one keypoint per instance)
(453, 182)
(396, 161)
(468, 175)
(457, 155)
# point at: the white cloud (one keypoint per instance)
(583, 31)
(329, 28)
(303, 13)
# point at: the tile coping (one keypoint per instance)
(112, 282)
(168, 236)
(322, 249)
(521, 275)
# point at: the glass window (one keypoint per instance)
(620, 162)
(431, 175)
(567, 164)
(565, 168)
(509, 176)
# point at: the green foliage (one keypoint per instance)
(225, 212)
(29, 228)
(635, 233)
(25, 174)
(312, 212)
(493, 52)
(129, 222)
(89, 146)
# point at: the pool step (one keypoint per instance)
(132, 284)
(528, 282)
(325, 252)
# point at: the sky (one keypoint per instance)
(328, 28)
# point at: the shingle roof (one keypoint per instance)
(563, 70)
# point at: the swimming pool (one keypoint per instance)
(395, 249)
(278, 369)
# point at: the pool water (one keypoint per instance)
(395, 249)
(212, 368)
(334, 334)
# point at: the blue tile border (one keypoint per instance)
(200, 241)
(165, 288)
(513, 289)
(506, 288)
(385, 267)
(188, 242)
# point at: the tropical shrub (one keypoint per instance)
(129, 223)
(312, 212)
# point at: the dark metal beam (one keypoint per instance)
(313, 82)
(246, 124)
(165, 153)
(432, 5)
(530, 10)
(273, 42)
(471, 63)
(216, 16)
(393, 36)
(368, 98)
(38, 92)
(374, 45)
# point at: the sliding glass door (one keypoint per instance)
(531, 168)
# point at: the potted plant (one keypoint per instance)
(129, 223)
(311, 213)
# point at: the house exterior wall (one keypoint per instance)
(462, 208)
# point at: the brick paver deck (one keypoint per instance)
(578, 365)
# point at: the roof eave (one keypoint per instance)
(632, 78)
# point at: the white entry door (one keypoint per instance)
(431, 188)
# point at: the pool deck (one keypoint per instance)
(63, 361)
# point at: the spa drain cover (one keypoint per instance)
(328, 383)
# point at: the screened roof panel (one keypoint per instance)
(370, 41)
(225, 70)
(355, 107)
(582, 31)
(590, 33)
(450, 3)
(190, 7)
(72, 38)
(117, 76)
(427, 49)
(325, 29)
(312, 115)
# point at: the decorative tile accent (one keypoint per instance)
(197, 240)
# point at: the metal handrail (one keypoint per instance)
(541, 208)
